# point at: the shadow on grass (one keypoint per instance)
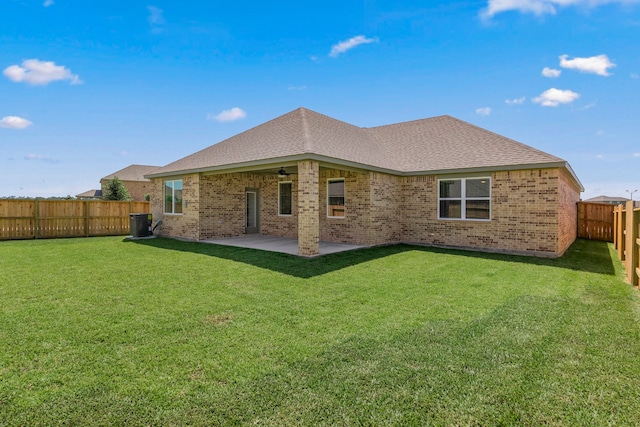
(583, 255)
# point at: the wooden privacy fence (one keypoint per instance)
(41, 219)
(626, 221)
(595, 221)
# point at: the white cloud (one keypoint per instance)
(156, 19)
(36, 72)
(346, 45)
(47, 3)
(551, 72)
(635, 76)
(14, 122)
(586, 107)
(231, 115)
(636, 154)
(554, 97)
(40, 157)
(484, 111)
(541, 7)
(594, 64)
(599, 156)
(516, 101)
(297, 88)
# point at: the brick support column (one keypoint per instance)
(308, 208)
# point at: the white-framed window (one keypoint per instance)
(285, 198)
(173, 196)
(335, 198)
(464, 198)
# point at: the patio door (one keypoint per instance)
(251, 211)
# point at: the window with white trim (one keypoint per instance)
(173, 196)
(335, 198)
(464, 198)
(284, 198)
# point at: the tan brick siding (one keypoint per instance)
(524, 214)
(354, 226)
(308, 207)
(387, 210)
(533, 211)
(185, 225)
(569, 195)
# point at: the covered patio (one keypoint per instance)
(279, 244)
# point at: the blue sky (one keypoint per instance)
(88, 88)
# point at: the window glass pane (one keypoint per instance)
(477, 209)
(177, 196)
(451, 188)
(285, 198)
(450, 209)
(335, 206)
(252, 217)
(336, 188)
(478, 187)
(177, 201)
(168, 196)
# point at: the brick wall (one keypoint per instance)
(185, 225)
(271, 223)
(568, 197)
(222, 205)
(308, 207)
(387, 211)
(533, 211)
(354, 226)
(524, 214)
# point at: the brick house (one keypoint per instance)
(133, 179)
(437, 181)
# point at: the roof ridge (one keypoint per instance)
(306, 132)
(409, 121)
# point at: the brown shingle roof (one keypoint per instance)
(429, 145)
(132, 173)
(90, 194)
(444, 142)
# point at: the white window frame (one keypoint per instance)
(463, 199)
(344, 196)
(279, 199)
(172, 211)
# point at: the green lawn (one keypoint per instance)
(103, 331)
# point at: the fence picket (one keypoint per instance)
(627, 240)
(34, 219)
(596, 221)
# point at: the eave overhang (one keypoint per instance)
(331, 161)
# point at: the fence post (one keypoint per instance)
(635, 263)
(637, 248)
(36, 222)
(621, 233)
(86, 218)
(630, 251)
(616, 224)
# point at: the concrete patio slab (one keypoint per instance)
(279, 244)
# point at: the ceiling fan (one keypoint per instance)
(282, 173)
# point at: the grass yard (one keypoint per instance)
(102, 331)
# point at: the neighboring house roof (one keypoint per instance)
(427, 146)
(607, 199)
(132, 173)
(90, 193)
